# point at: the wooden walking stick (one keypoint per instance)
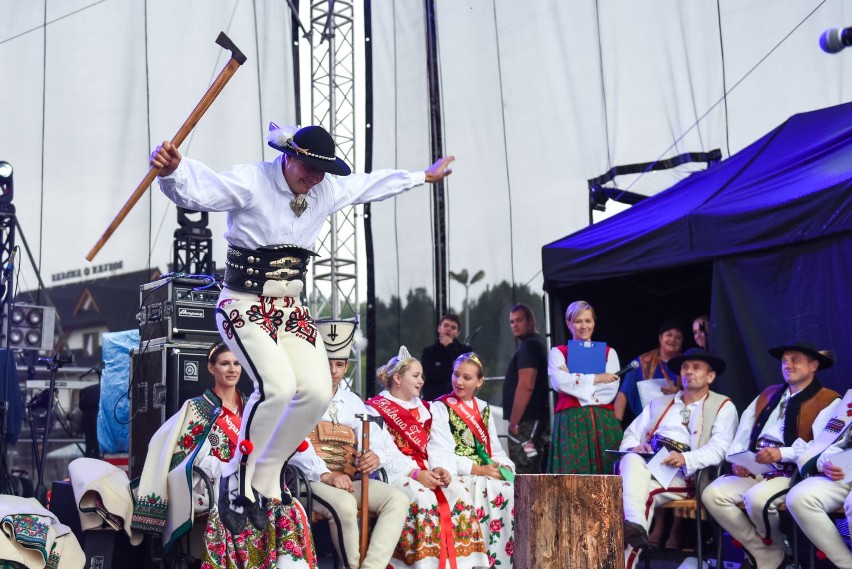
(365, 483)
(237, 59)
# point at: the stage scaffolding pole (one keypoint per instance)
(330, 40)
(439, 212)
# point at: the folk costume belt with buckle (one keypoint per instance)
(657, 442)
(247, 269)
(785, 469)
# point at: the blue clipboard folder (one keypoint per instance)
(586, 357)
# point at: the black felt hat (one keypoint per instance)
(312, 145)
(824, 357)
(718, 364)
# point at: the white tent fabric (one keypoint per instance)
(86, 96)
(538, 97)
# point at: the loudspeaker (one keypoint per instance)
(31, 327)
(162, 377)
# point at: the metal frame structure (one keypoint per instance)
(193, 244)
(8, 223)
(330, 40)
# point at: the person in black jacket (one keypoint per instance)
(438, 358)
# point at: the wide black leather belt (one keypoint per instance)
(781, 468)
(248, 269)
(657, 442)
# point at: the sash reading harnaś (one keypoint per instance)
(403, 422)
(474, 422)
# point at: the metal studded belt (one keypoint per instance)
(781, 468)
(248, 269)
(657, 442)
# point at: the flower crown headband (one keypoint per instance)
(470, 357)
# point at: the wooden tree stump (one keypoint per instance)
(568, 521)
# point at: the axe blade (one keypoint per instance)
(226, 43)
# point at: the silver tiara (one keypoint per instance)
(403, 354)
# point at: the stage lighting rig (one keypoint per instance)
(6, 185)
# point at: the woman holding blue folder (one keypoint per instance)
(583, 374)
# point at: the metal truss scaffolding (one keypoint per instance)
(331, 42)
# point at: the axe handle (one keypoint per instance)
(199, 110)
(365, 488)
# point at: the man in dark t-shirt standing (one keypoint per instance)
(437, 359)
(525, 392)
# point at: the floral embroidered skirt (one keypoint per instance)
(286, 542)
(494, 502)
(420, 543)
(580, 438)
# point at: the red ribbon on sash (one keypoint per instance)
(473, 419)
(403, 422)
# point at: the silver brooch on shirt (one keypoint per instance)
(685, 414)
(332, 412)
(298, 204)
(782, 411)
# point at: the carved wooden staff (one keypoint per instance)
(237, 59)
(365, 483)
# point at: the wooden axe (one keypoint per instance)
(237, 59)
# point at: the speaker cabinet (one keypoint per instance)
(30, 327)
(162, 377)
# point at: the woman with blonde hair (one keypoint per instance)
(442, 528)
(584, 422)
(464, 442)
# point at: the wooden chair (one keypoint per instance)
(690, 504)
(695, 505)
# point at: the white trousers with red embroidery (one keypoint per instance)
(641, 494)
(277, 343)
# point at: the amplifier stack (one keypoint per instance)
(177, 325)
(178, 310)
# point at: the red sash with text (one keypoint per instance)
(403, 422)
(472, 418)
(229, 423)
(416, 435)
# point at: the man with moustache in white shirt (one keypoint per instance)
(696, 426)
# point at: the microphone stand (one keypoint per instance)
(473, 335)
(53, 364)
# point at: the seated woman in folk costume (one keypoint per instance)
(170, 495)
(442, 528)
(464, 441)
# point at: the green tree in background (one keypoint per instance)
(413, 324)
(489, 319)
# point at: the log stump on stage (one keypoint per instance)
(568, 521)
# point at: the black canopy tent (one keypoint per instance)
(762, 241)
